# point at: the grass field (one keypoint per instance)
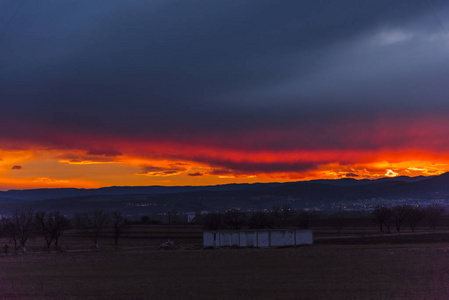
(337, 270)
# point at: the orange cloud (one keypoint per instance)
(171, 170)
(94, 161)
(47, 180)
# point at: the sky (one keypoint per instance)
(173, 92)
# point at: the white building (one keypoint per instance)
(257, 238)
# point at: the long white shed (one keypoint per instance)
(257, 238)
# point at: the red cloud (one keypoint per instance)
(340, 149)
(196, 174)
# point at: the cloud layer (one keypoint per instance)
(242, 88)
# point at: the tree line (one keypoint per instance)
(23, 225)
(386, 218)
(50, 226)
(277, 217)
(399, 215)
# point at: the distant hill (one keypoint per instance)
(153, 199)
(46, 194)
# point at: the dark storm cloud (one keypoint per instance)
(200, 68)
(17, 167)
(195, 174)
(172, 169)
(351, 175)
(104, 152)
(224, 167)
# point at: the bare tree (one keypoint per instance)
(60, 225)
(91, 224)
(434, 212)
(51, 226)
(19, 227)
(415, 215)
(23, 225)
(388, 220)
(399, 213)
(382, 216)
(118, 225)
(44, 225)
(234, 219)
(96, 222)
(9, 231)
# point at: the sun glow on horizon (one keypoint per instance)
(43, 168)
(391, 173)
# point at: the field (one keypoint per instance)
(390, 268)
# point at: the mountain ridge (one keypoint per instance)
(54, 193)
(159, 199)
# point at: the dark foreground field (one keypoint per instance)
(312, 272)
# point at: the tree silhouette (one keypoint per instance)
(118, 225)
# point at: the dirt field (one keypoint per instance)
(386, 267)
(313, 272)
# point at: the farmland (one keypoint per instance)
(387, 268)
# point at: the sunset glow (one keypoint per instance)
(165, 97)
(72, 168)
